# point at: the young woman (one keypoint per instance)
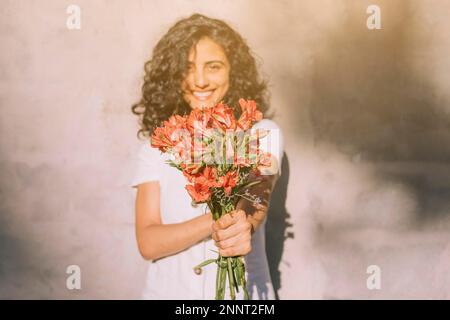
(199, 62)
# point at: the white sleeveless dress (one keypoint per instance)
(173, 277)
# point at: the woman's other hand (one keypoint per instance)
(232, 234)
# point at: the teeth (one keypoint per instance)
(202, 95)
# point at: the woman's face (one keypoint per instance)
(208, 76)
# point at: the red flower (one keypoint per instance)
(199, 192)
(161, 139)
(168, 135)
(176, 121)
(250, 114)
(190, 170)
(229, 181)
(203, 182)
(209, 177)
(198, 121)
(185, 137)
(223, 117)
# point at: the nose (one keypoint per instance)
(200, 79)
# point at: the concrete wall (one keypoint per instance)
(365, 114)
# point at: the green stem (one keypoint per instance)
(241, 265)
(233, 273)
(220, 291)
(217, 279)
(230, 279)
(250, 184)
(233, 267)
(245, 197)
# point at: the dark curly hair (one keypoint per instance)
(162, 95)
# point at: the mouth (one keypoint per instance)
(202, 95)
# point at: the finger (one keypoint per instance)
(238, 239)
(242, 235)
(233, 217)
(223, 222)
(238, 215)
(231, 231)
(241, 250)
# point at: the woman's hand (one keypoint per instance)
(233, 234)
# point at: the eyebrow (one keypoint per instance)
(215, 61)
(210, 62)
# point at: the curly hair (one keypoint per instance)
(162, 95)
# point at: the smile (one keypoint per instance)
(202, 95)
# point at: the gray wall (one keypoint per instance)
(365, 114)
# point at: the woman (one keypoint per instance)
(199, 62)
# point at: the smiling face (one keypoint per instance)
(208, 76)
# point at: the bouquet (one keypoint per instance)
(218, 154)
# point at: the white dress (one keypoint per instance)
(173, 277)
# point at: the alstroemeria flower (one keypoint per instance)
(176, 121)
(207, 176)
(161, 139)
(229, 181)
(199, 192)
(199, 121)
(250, 114)
(182, 147)
(167, 136)
(202, 181)
(223, 117)
(190, 170)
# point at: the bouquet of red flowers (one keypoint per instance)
(218, 155)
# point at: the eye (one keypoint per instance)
(214, 67)
(190, 68)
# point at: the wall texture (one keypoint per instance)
(365, 114)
